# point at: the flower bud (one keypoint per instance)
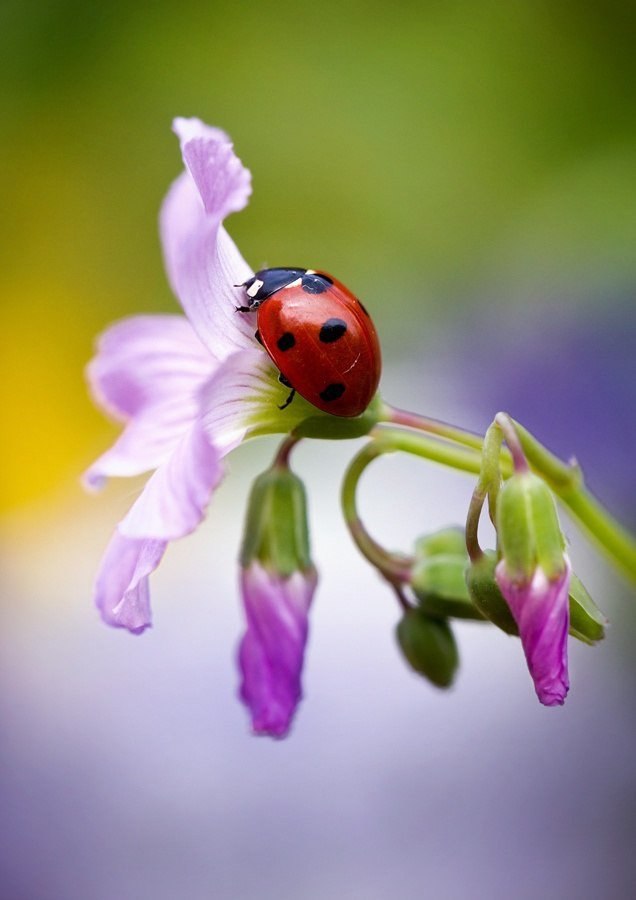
(429, 646)
(276, 531)
(440, 586)
(448, 540)
(485, 594)
(278, 582)
(528, 529)
(533, 576)
(437, 577)
(587, 622)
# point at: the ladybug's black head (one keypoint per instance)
(267, 281)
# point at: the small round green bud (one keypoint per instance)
(448, 540)
(485, 593)
(439, 584)
(429, 646)
(528, 529)
(276, 531)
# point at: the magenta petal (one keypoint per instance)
(203, 264)
(121, 588)
(176, 496)
(272, 650)
(541, 610)
(149, 370)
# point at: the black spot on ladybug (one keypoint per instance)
(332, 330)
(286, 341)
(315, 284)
(332, 392)
(258, 337)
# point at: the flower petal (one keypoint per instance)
(175, 498)
(243, 399)
(148, 369)
(203, 264)
(541, 610)
(272, 650)
(144, 361)
(121, 587)
(221, 178)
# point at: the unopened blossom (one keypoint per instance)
(278, 580)
(541, 610)
(534, 576)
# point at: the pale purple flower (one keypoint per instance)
(188, 390)
(272, 650)
(540, 607)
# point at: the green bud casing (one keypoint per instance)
(439, 584)
(276, 531)
(587, 622)
(448, 540)
(429, 646)
(485, 594)
(528, 529)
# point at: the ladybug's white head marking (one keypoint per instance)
(254, 288)
(294, 284)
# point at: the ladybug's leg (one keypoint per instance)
(292, 393)
(244, 309)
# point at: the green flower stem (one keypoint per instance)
(282, 454)
(509, 431)
(396, 416)
(559, 475)
(439, 443)
(487, 485)
(395, 568)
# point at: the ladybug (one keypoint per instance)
(319, 336)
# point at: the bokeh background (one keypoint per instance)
(469, 169)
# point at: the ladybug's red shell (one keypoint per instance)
(323, 342)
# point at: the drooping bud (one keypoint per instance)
(448, 540)
(429, 646)
(437, 577)
(528, 529)
(278, 582)
(587, 622)
(533, 576)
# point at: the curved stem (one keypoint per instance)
(509, 431)
(487, 485)
(282, 454)
(396, 569)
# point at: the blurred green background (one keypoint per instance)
(446, 159)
